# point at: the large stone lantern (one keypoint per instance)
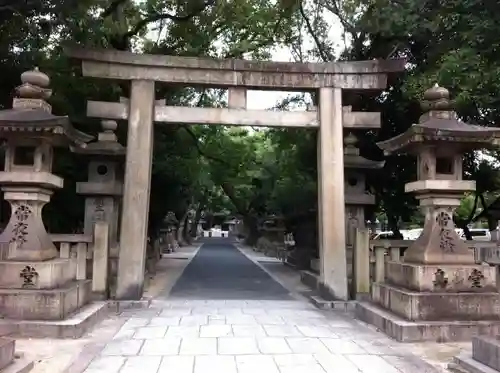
(29, 261)
(437, 292)
(439, 141)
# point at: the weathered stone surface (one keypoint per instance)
(432, 306)
(306, 340)
(252, 74)
(49, 274)
(310, 279)
(74, 325)
(20, 364)
(464, 363)
(232, 117)
(441, 278)
(44, 304)
(204, 63)
(331, 195)
(134, 219)
(419, 331)
(11, 362)
(486, 350)
(25, 238)
(7, 347)
(439, 243)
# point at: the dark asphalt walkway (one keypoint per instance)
(220, 271)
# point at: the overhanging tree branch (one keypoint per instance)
(231, 194)
(122, 41)
(200, 150)
(155, 16)
(310, 29)
(333, 7)
(260, 44)
(112, 8)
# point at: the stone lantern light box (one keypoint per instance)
(355, 173)
(29, 261)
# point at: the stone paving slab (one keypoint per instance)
(194, 336)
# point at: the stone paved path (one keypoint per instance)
(220, 271)
(243, 336)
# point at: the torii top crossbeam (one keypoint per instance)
(260, 75)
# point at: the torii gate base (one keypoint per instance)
(238, 76)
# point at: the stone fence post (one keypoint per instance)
(362, 263)
(100, 265)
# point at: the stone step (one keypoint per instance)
(423, 331)
(434, 306)
(486, 350)
(309, 279)
(336, 305)
(73, 326)
(20, 364)
(7, 348)
(45, 304)
(466, 364)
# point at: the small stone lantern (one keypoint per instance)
(357, 198)
(104, 187)
(105, 179)
(439, 141)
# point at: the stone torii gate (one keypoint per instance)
(328, 79)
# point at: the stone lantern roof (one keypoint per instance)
(31, 115)
(440, 124)
(107, 143)
(352, 158)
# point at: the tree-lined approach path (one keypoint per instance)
(220, 271)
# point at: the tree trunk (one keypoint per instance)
(209, 220)
(185, 231)
(180, 227)
(196, 222)
(252, 229)
(306, 244)
(394, 227)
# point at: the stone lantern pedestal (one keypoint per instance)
(437, 292)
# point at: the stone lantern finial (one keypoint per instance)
(109, 128)
(437, 104)
(350, 142)
(109, 125)
(34, 91)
